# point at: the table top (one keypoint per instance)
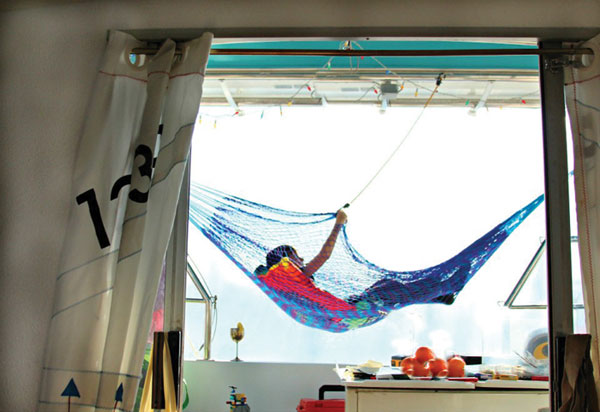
(410, 384)
(448, 385)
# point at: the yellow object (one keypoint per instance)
(506, 377)
(169, 385)
(541, 351)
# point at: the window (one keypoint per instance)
(471, 160)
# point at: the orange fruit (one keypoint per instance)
(407, 365)
(424, 354)
(438, 367)
(421, 369)
(456, 367)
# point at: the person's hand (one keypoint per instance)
(340, 217)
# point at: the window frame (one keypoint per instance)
(560, 317)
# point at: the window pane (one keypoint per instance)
(456, 177)
(194, 331)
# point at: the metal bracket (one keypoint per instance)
(555, 63)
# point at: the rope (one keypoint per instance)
(438, 82)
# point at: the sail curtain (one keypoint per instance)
(127, 178)
(582, 92)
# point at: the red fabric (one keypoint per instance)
(287, 277)
(328, 405)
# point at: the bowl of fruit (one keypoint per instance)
(424, 364)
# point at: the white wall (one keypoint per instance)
(274, 387)
(48, 58)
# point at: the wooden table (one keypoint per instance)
(446, 396)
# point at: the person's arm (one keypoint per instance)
(325, 253)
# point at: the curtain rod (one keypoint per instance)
(381, 53)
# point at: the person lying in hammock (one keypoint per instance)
(298, 278)
(275, 255)
(287, 274)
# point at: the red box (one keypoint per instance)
(327, 405)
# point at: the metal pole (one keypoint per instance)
(175, 279)
(380, 53)
(176, 261)
(558, 236)
(207, 329)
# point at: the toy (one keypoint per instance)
(237, 401)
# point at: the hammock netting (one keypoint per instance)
(348, 291)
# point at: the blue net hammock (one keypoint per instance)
(348, 291)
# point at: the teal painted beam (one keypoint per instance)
(391, 63)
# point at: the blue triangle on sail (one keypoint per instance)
(71, 389)
(119, 394)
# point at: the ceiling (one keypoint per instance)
(474, 81)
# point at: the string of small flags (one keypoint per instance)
(348, 45)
